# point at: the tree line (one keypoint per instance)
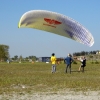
(20, 58)
(83, 53)
(4, 54)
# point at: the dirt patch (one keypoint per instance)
(65, 95)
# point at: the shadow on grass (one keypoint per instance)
(77, 71)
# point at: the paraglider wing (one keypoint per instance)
(58, 24)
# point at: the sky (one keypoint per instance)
(32, 42)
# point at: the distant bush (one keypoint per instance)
(92, 62)
(96, 62)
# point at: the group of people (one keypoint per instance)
(68, 60)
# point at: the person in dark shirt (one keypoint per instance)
(83, 64)
(68, 60)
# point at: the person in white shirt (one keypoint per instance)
(83, 64)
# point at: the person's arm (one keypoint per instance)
(64, 60)
(51, 59)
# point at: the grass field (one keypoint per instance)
(37, 77)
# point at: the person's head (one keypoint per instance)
(53, 54)
(68, 54)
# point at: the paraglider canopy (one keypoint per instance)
(58, 24)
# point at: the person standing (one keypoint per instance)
(83, 64)
(53, 61)
(68, 61)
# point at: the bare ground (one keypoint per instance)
(65, 95)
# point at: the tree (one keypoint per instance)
(82, 53)
(91, 57)
(32, 58)
(20, 58)
(15, 57)
(4, 52)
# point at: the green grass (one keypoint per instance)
(37, 77)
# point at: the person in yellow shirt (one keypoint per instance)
(53, 61)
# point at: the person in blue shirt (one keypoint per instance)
(68, 61)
